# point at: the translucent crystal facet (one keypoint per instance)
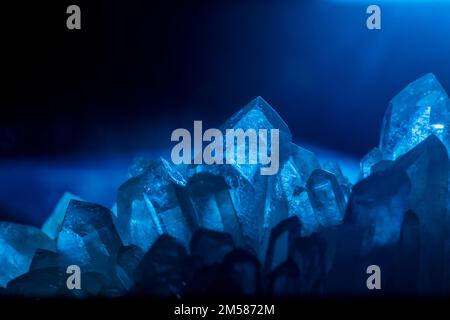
(421, 109)
(18, 244)
(88, 237)
(327, 197)
(377, 205)
(150, 204)
(52, 225)
(370, 159)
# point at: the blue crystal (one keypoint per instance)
(52, 225)
(335, 168)
(47, 282)
(210, 247)
(128, 259)
(281, 241)
(427, 166)
(377, 204)
(327, 197)
(373, 157)
(256, 115)
(284, 280)
(407, 258)
(149, 205)
(310, 256)
(305, 162)
(18, 244)
(381, 166)
(298, 198)
(200, 229)
(44, 259)
(421, 109)
(88, 238)
(241, 273)
(161, 270)
(210, 197)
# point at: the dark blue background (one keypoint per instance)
(79, 105)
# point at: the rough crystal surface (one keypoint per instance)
(88, 237)
(421, 109)
(52, 225)
(18, 244)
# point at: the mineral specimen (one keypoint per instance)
(194, 230)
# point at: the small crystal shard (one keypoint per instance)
(327, 197)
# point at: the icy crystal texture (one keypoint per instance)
(190, 230)
(421, 109)
(18, 243)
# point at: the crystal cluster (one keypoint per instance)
(193, 230)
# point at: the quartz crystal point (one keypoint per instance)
(150, 204)
(421, 109)
(335, 168)
(52, 225)
(18, 244)
(88, 238)
(256, 115)
(327, 198)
